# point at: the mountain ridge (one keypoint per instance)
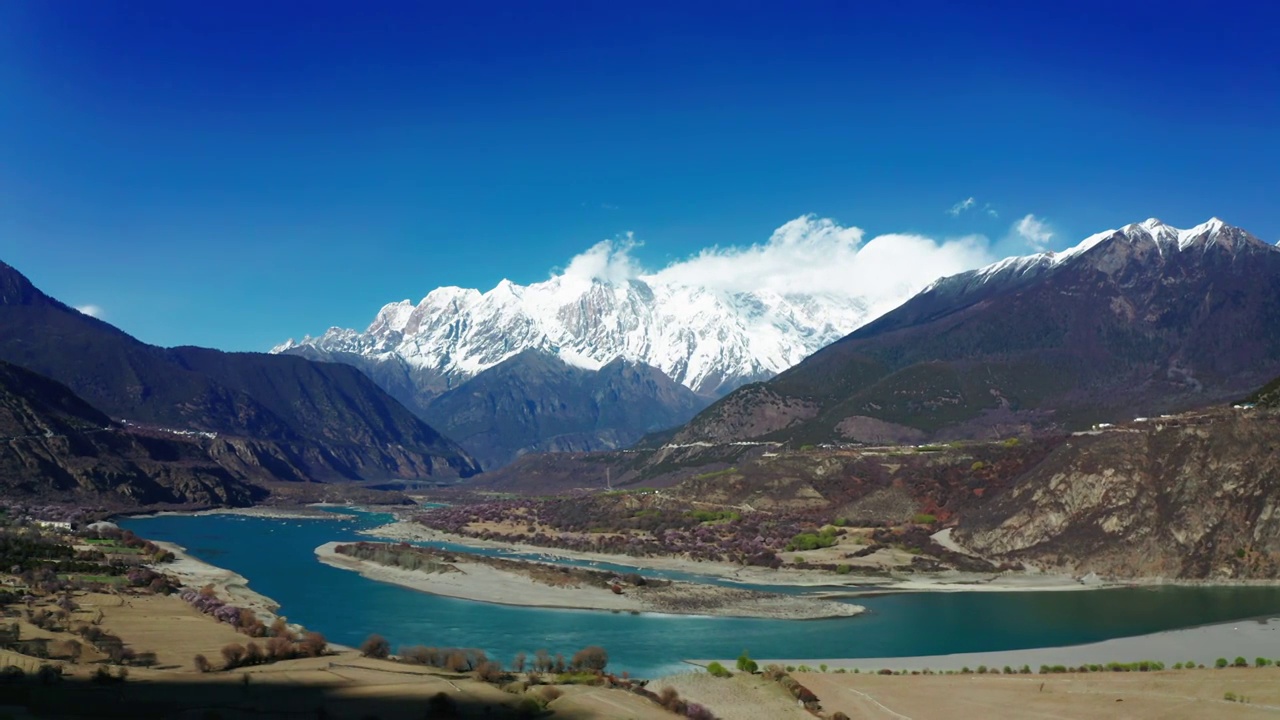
(536, 402)
(57, 446)
(1039, 341)
(313, 421)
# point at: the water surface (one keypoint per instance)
(277, 557)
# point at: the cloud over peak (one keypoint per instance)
(804, 256)
(1033, 231)
(91, 310)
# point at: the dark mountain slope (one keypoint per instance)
(323, 421)
(535, 402)
(54, 445)
(1268, 396)
(1143, 320)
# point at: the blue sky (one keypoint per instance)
(232, 174)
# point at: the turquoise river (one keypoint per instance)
(277, 557)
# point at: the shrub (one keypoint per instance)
(530, 706)
(252, 654)
(49, 674)
(456, 662)
(1220, 663)
(592, 657)
(490, 672)
(313, 644)
(924, 519)
(202, 664)
(549, 693)
(441, 705)
(718, 670)
(843, 569)
(1240, 662)
(1261, 662)
(232, 655)
(746, 664)
(375, 646)
(279, 647)
(1229, 696)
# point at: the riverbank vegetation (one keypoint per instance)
(652, 524)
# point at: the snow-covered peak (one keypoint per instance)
(1165, 238)
(709, 340)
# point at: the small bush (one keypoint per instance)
(592, 657)
(375, 646)
(1240, 662)
(490, 672)
(441, 705)
(1261, 662)
(202, 664)
(1220, 663)
(549, 693)
(718, 670)
(746, 664)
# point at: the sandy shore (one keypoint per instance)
(483, 583)
(1203, 645)
(230, 587)
(890, 582)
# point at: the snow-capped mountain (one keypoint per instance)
(712, 322)
(1139, 321)
(706, 340)
(1166, 241)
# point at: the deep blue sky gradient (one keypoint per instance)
(232, 174)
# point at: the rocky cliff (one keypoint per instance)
(1195, 496)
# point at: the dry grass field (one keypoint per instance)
(1169, 695)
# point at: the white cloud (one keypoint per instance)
(608, 260)
(91, 310)
(961, 206)
(991, 211)
(806, 255)
(1034, 232)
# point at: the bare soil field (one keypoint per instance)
(164, 624)
(1170, 695)
(742, 697)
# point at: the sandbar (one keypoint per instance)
(474, 580)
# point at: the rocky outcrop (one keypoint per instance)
(1194, 496)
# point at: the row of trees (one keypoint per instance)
(276, 648)
(592, 658)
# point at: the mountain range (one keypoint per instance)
(535, 402)
(57, 445)
(264, 416)
(433, 355)
(1142, 320)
